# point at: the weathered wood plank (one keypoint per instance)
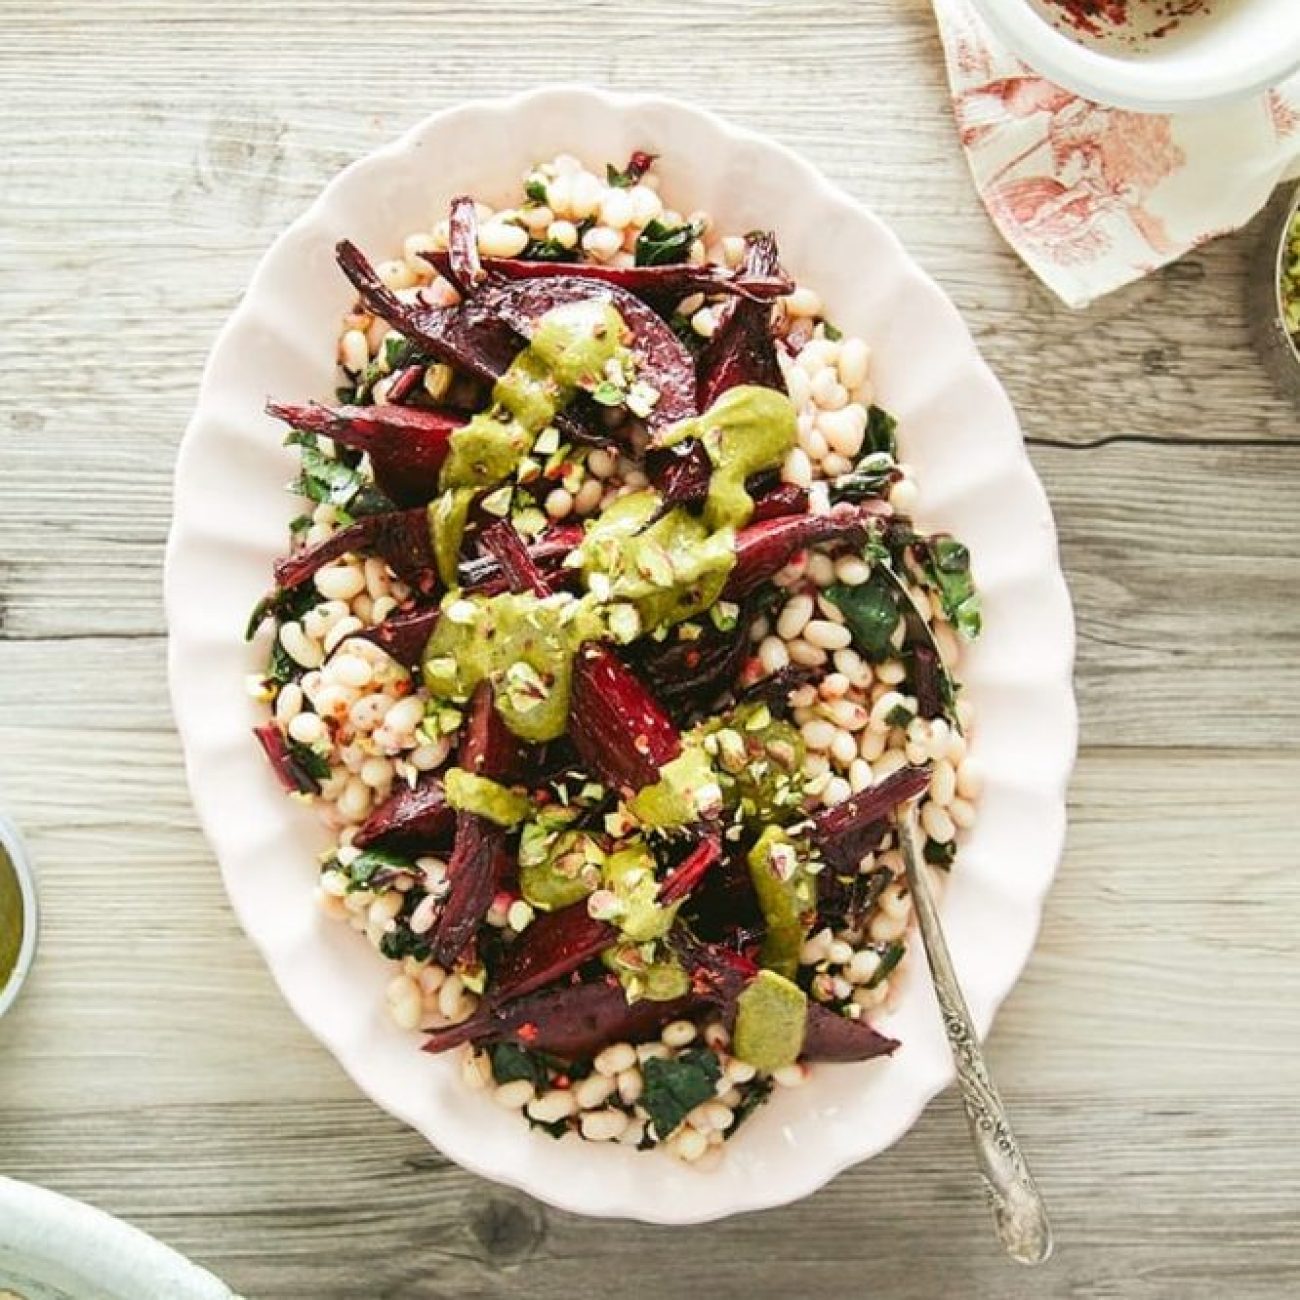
(151, 151)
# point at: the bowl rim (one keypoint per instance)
(98, 1246)
(25, 873)
(578, 98)
(1133, 83)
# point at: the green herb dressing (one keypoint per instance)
(469, 792)
(747, 430)
(523, 644)
(570, 348)
(11, 918)
(771, 1019)
(787, 897)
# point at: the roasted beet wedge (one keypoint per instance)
(778, 501)
(406, 444)
(655, 284)
(572, 1022)
(838, 832)
(415, 820)
(293, 776)
(829, 1036)
(687, 676)
(401, 537)
(473, 337)
(741, 350)
(618, 728)
(555, 945)
(404, 635)
(560, 942)
(463, 267)
(662, 359)
(487, 748)
(763, 549)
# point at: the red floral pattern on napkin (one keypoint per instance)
(1094, 197)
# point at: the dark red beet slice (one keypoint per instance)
(403, 636)
(774, 691)
(741, 350)
(837, 831)
(463, 267)
(658, 284)
(406, 444)
(779, 501)
(763, 549)
(688, 675)
(503, 543)
(574, 1022)
(471, 881)
(927, 680)
(472, 337)
(401, 537)
(829, 1036)
(293, 776)
(618, 728)
(554, 945)
(662, 359)
(415, 820)
(558, 943)
(487, 746)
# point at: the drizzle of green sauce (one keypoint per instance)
(469, 792)
(787, 897)
(11, 918)
(629, 874)
(523, 644)
(771, 1019)
(570, 348)
(747, 430)
(564, 870)
(669, 570)
(687, 789)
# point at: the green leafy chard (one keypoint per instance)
(661, 245)
(676, 1085)
(881, 427)
(945, 567)
(871, 611)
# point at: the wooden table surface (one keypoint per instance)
(148, 154)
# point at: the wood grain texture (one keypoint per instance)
(1152, 1052)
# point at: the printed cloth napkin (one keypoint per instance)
(1094, 197)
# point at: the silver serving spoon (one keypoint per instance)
(1018, 1209)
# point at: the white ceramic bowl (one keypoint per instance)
(956, 426)
(54, 1248)
(1230, 50)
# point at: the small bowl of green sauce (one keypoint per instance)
(17, 915)
(1275, 292)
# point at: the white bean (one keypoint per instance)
(794, 616)
(677, 1033)
(603, 1125)
(970, 778)
(340, 581)
(937, 824)
(943, 783)
(297, 646)
(501, 239)
(818, 734)
(854, 362)
(615, 1059)
(593, 1091)
(809, 656)
(826, 635)
(772, 654)
(514, 1095)
(307, 728)
(962, 812)
(844, 429)
(552, 1106)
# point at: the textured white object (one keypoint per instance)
(1091, 195)
(55, 1248)
(1226, 51)
(956, 426)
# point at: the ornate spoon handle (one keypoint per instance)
(1018, 1209)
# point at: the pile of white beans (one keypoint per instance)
(359, 709)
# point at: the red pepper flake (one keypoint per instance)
(527, 1031)
(1097, 17)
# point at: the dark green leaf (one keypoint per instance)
(831, 332)
(510, 1062)
(535, 189)
(899, 716)
(946, 565)
(890, 956)
(880, 431)
(661, 245)
(675, 1086)
(755, 1094)
(399, 352)
(365, 866)
(872, 614)
(317, 766)
(872, 476)
(403, 942)
(940, 855)
(326, 480)
(548, 250)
